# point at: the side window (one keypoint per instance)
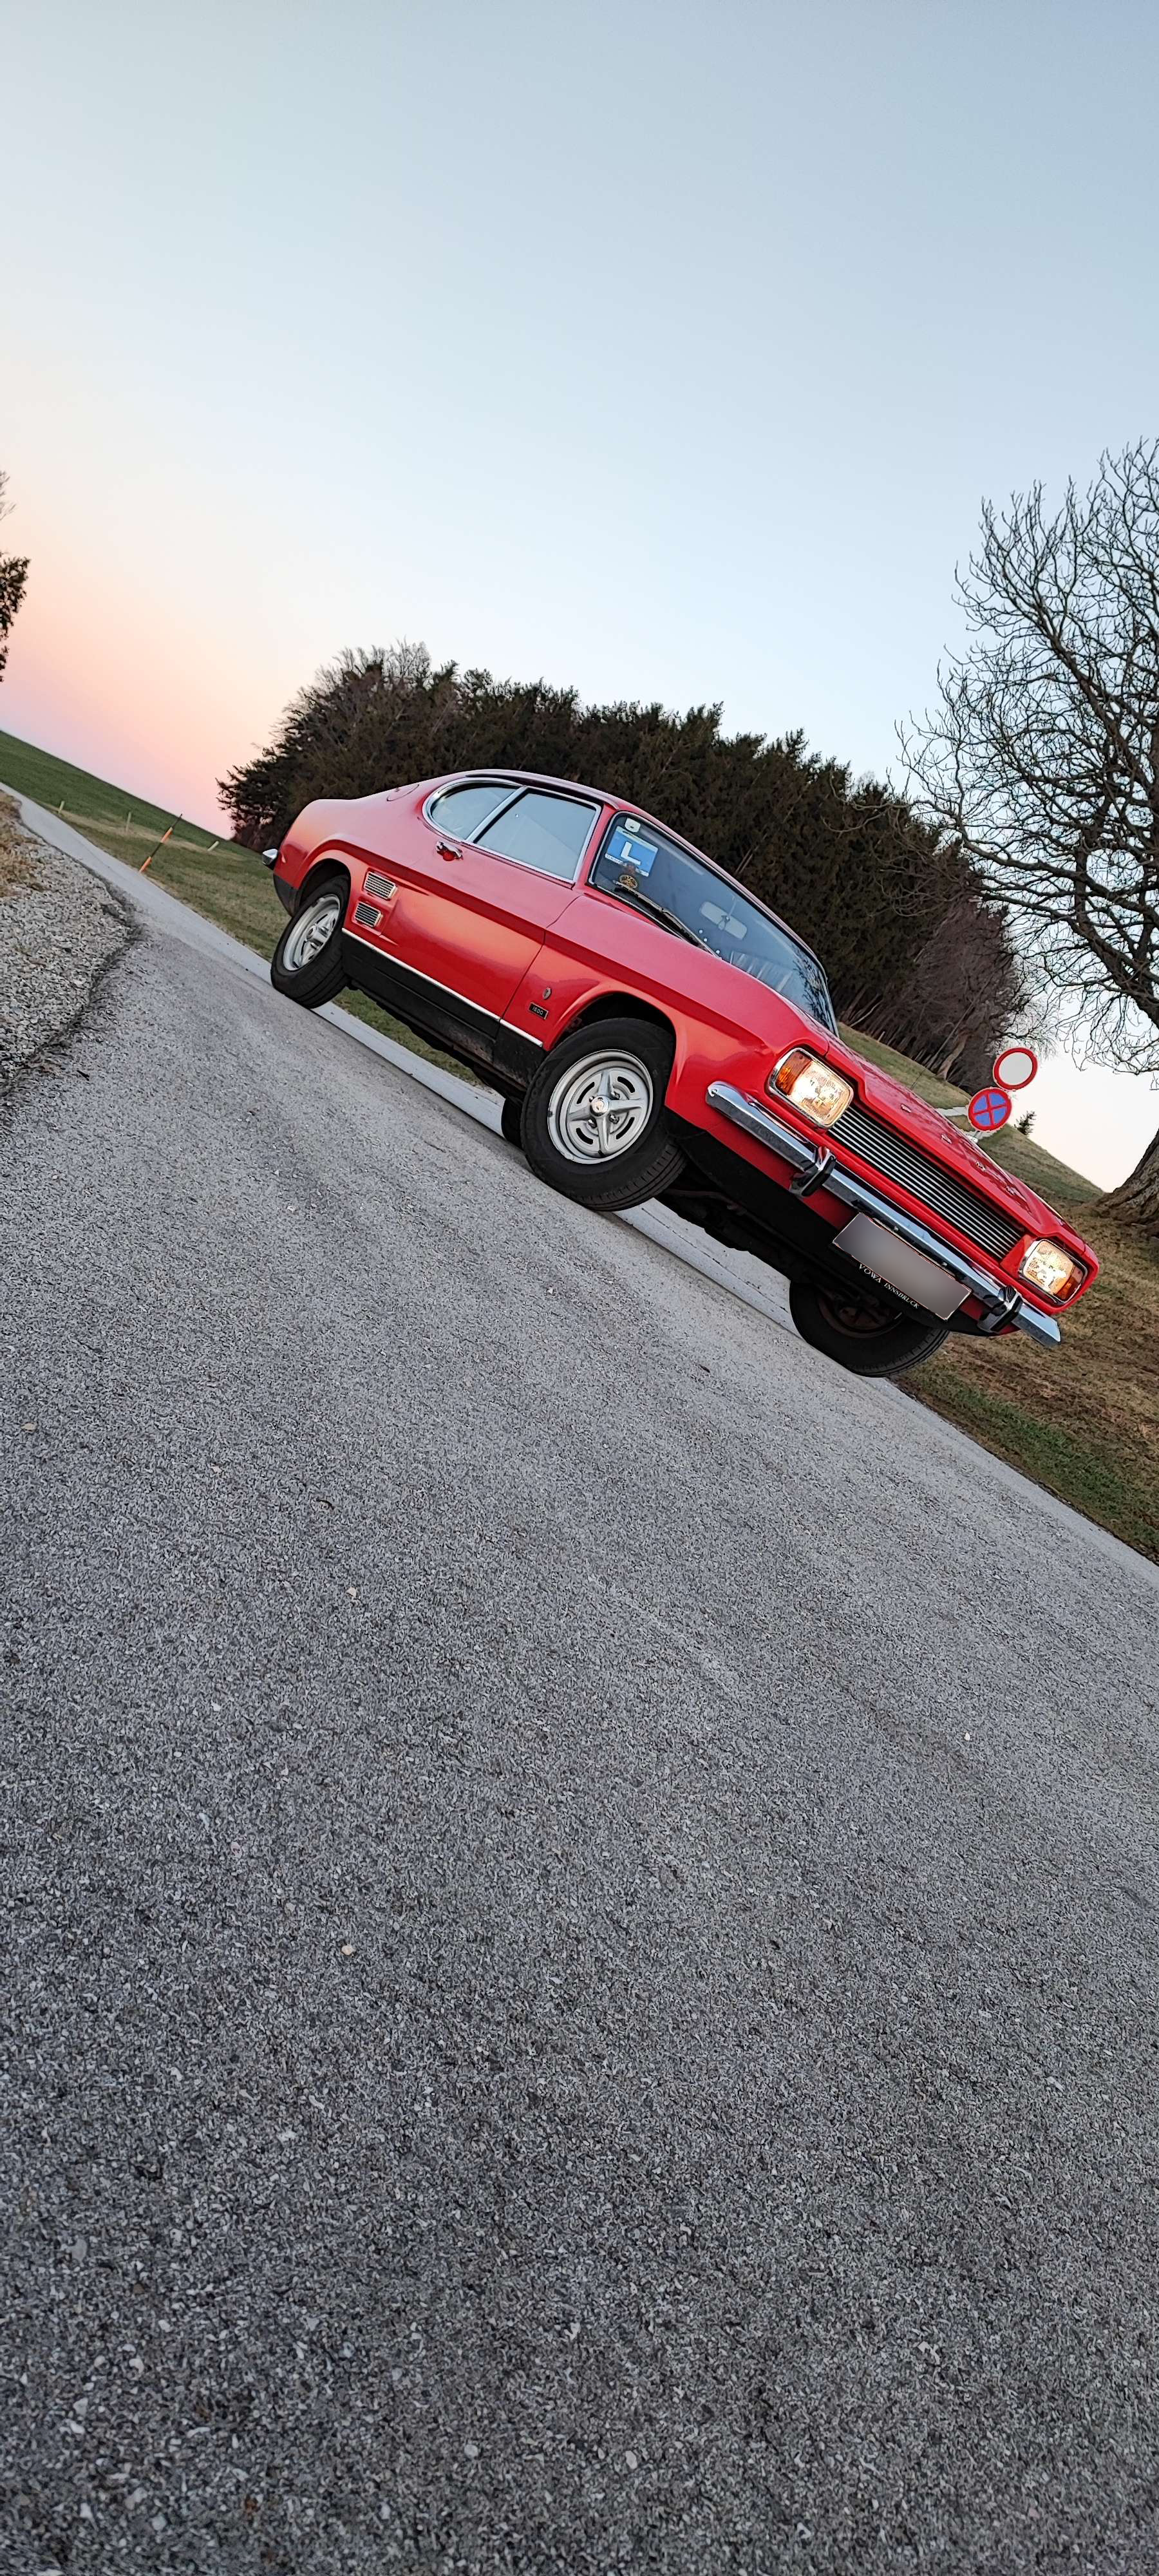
(460, 810)
(545, 832)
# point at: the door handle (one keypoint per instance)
(448, 850)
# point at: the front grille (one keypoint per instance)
(897, 1160)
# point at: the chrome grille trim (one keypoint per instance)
(816, 1165)
(894, 1156)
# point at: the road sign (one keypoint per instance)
(1015, 1067)
(989, 1109)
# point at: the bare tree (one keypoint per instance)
(13, 575)
(964, 994)
(1043, 757)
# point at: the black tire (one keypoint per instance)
(321, 975)
(627, 1062)
(511, 1121)
(871, 1336)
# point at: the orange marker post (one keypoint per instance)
(165, 836)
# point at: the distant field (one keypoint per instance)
(1084, 1423)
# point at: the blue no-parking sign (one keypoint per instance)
(989, 1109)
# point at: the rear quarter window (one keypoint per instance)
(460, 810)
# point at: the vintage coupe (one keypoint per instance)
(655, 1032)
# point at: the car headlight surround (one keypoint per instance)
(1050, 1268)
(812, 1086)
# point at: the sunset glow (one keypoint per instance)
(721, 437)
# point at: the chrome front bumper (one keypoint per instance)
(816, 1167)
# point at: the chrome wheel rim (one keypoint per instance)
(600, 1108)
(309, 932)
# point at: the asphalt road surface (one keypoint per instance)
(581, 1990)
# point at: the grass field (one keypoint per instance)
(1083, 1422)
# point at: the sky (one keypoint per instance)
(666, 350)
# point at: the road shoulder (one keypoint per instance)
(61, 930)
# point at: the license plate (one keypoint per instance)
(898, 1265)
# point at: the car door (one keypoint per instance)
(496, 889)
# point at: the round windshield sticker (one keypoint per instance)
(1015, 1067)
(989, 1109)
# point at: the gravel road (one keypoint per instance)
(581, 1888)
(60, 927)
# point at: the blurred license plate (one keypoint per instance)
(896, 1263)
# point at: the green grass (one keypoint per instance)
(1083, 1422)
(1117, 1486)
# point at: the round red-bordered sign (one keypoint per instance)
(989, 1109)
(1015, 1067)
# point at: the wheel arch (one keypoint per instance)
(325, 863)
(617, 1006)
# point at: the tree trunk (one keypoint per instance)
(1136, 1201)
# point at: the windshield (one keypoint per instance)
(642, 866)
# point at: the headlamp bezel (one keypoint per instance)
(1078, 1274)
(799, 1063)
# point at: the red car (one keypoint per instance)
(657, 1033)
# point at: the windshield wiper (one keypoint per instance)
(660, 912)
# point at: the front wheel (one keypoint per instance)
(307, 963)
(594, 1123)
(872, 1336)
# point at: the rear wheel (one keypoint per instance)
(593, 1121)
(307, 963)
(871, 1336)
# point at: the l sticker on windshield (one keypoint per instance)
(639, 854)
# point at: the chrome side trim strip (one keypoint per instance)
(405, 968)
(1002, 1302)
(477, 1007)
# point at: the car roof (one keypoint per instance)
(628, 805)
